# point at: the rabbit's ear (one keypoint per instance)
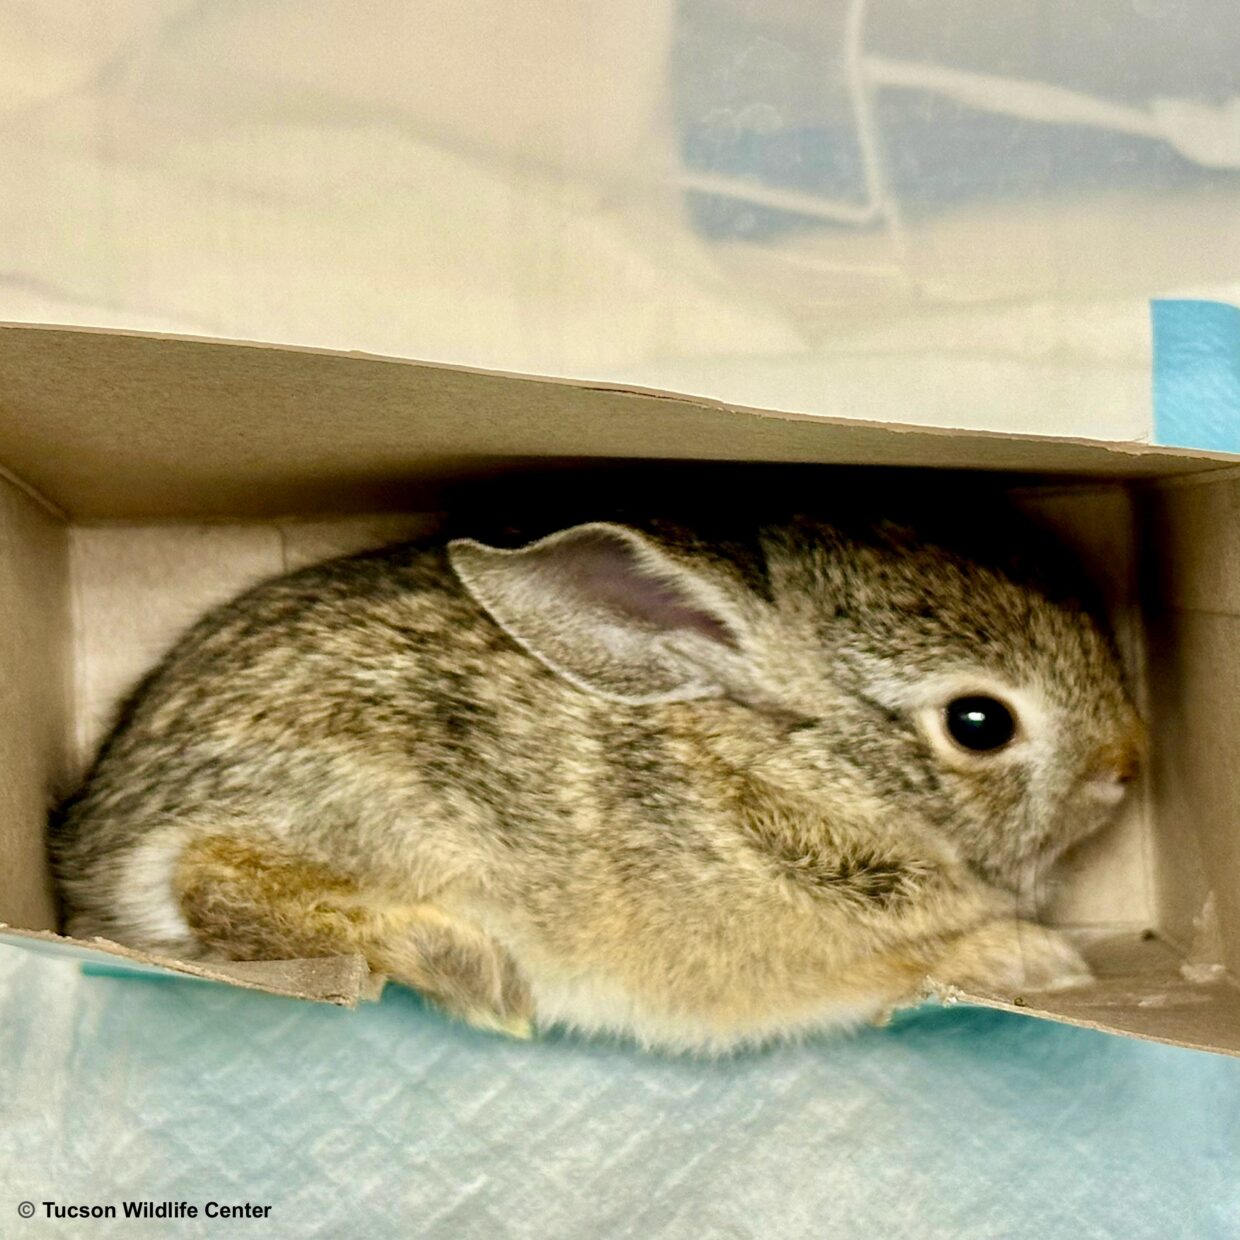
(610, 611)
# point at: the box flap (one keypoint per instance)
(1140, 990)
(342, 980)
(1202, 1016)
(121, 425)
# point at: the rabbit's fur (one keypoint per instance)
(684, 786)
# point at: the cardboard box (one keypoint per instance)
(145, 478)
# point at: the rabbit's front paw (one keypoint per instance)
(1008, 956)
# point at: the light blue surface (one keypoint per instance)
(391, 1122)
(1197, 374)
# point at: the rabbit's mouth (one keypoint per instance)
(1097, 802)
(1115, 770)
(1105, 792)
(1091, 805)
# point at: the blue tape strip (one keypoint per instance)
(1197, 374)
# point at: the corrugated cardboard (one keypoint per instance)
(145, 478)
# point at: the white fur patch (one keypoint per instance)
(145, 896)
(595, 1005)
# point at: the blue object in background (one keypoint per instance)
(1197, 374)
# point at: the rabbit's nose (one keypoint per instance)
(1115, 767)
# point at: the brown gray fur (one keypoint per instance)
(628, 778)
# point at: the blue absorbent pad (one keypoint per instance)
(393, 1122)
(1197, 374)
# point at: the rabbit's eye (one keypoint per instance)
(980, 724)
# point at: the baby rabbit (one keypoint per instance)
(698, 789)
